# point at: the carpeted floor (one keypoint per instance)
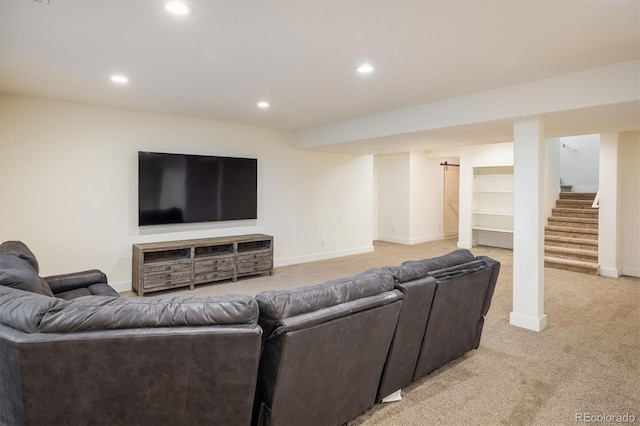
(583, 366)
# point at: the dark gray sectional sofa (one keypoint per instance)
(316, 355)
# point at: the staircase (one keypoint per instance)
(571, 236)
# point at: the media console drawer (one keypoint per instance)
(167, 279)
(254, 263)
(171, 264)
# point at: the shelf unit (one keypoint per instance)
(186, 263)
(492, 212)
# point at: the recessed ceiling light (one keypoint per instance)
(365, 69)
(263, 104)
(178, 8)
(119, 78)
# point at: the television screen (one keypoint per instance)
(179, 188)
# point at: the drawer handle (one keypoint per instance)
(168, 268)
(255, 256)
(167, 282)
(167, 276)
(215, 269)
(215, 275)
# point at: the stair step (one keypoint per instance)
(571, 236)
(578, 243)
(584, 213)
(574, 204)
(565, 231)
(572, 265)
(571, 253)
(574, 222)
(578, 196)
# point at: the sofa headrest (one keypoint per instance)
(459, 270)
(453, 258)
(23, 310)
(279, 304)
(107, 313)
(18, 272)
(20, 249)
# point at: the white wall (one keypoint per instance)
(68, 186)
(629, 147)
(427, 198)
(579, 162)
(393, 197)
(410, 198)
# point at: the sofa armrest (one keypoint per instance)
(75, 280)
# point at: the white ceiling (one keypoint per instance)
(301, 55)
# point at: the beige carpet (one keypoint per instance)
(585, 363)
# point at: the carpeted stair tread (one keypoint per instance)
(572, 265)
(578, 196)
(574, 204)
(571, 236)
(571, 253)
(568, 212)
(584, 241)
(590, 231)
(574, 222)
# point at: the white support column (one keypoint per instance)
(609, 214)
(528, 225)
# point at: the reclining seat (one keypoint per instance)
(324, 349)
(461, 301)
(445, 301)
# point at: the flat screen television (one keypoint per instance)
(181, 188)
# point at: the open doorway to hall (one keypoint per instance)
(572, 230)
(451, 170)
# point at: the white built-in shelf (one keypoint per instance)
(492, 211)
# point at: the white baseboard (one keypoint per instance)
(465, 245)
(528, 322)
(632, 272)
(610, 272)
(322, 256)
(410, 241)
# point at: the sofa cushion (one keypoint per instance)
(21, 250)
(405, 273)
(17, 272)
(453, 258)
(99, 289)
(278, 304)
(23, 310)
(106, 313)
